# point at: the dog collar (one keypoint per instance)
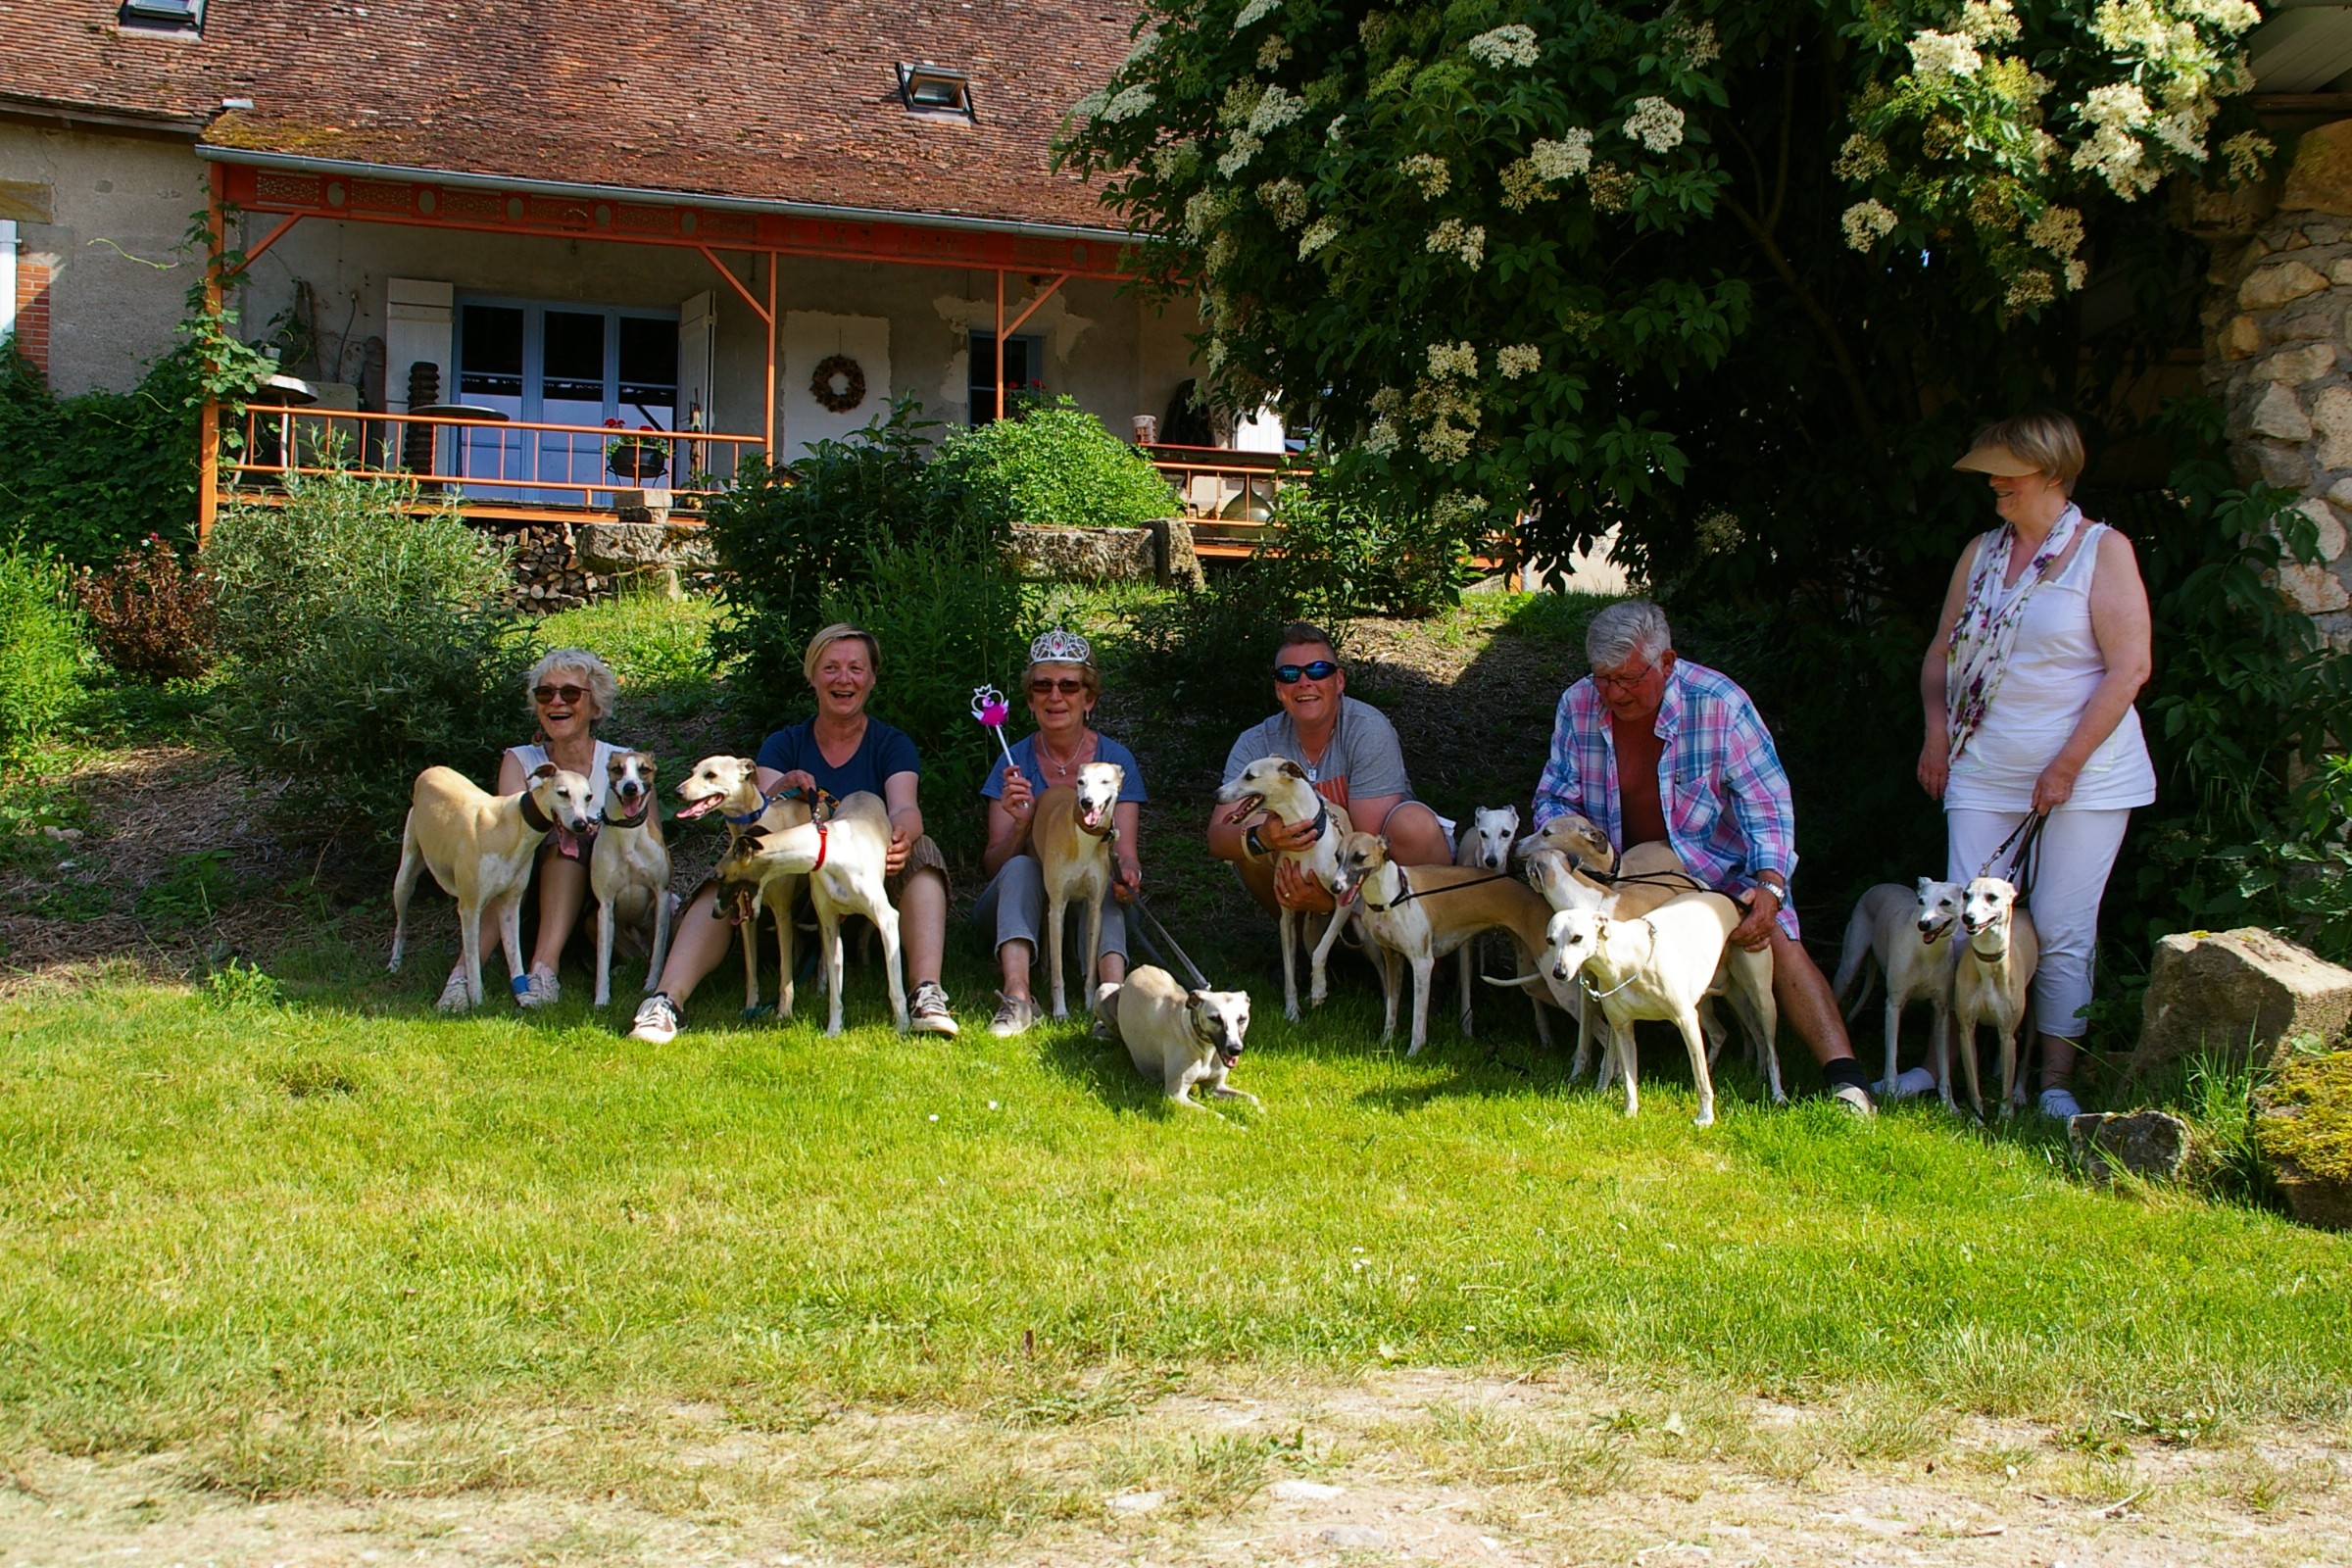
(606, 817)
(537, 820)
(1322, 819)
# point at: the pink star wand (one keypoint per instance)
(988, 706)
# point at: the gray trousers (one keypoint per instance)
(1014, 904)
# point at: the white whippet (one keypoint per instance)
(1281, 786)
(1903, 936)
(1486, 844)
(628, 867)
(730, 785)
(1071, 834)
(479, 847)
(842, 854)
(1177, 1038)
(1990, 980)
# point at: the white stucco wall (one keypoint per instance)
(105, 214)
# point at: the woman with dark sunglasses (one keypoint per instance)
(1062, 687)
(567, 691)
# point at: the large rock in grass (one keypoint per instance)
(2247, 993)
(2303, 1131)
(2148, 1144)
(1159, 553)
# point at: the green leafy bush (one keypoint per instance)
(1205, 656)
(950, 617)
(88, 475)
(42, 650)
(363, 645)
(787, 538)
(1055, 463)
(151, 614)
(1350, 548)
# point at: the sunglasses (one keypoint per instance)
(570, 695)
(1292, 674)
(1068, 686)
(1622, 683)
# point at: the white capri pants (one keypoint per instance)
(2077, 851)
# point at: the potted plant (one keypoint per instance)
(636, 457)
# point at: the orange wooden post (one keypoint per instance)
(208, 423)
(1000, 343)
(772, 359)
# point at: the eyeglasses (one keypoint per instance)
(570, 695)
(1292, 674)
(1620, 683)
(1068, 686)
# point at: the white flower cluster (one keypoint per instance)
(2058, 230)
(1564, 159)
(1319, 233)
(1452, 359)
(1273, 52)
(1446, 442)
(1943, 54)
(1238, 153)
(1518, 360)
(1131, 102)
(1275, 109)
(1655, 123)
(1512, 44)
(1868, 222)
(1860, 159)
(2246, 153)
(1332, 132)
(1522, 187)
(1256, 10)
(1286, 198)
(1175, 161)
(2112, 152)
(1239, 103)
(2230, 16)
(1431, 172)
(1219, 252)
(1382, 439)
(1453, 237)
(1456, 507)
(2030, 288)
(1090, 106)
(1991, 22)
(1696, 41)
(1203, 211)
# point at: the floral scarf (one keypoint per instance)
(1977, 654)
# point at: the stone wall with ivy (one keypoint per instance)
(2279, 356)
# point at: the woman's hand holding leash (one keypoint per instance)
(1127, 880)
(800, 778)
(2056, 786)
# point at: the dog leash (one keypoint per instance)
(1157, 934)
(821, 806)
(2025, 864)
(1411, 892)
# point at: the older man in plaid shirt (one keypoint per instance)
(1652, 749)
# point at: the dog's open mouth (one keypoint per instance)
(1091, 816)
(1244, 807)
(1228, 1058)
(701, 808)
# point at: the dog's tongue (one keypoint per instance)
(701, 808)
(1092, 816)
(1347, 898)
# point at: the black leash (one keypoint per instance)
(1411, 892)
(1155, 935)
(2025, 864)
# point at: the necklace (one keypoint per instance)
(1054, 766)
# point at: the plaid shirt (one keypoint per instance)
(1720, 782)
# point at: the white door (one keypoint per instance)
(810, 338)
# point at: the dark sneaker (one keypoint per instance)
(927, 1011)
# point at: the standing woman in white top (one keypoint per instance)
(568, 690)
(2027, 688)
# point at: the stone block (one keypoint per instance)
(631, 547)
(2294, 367)
(2241, 338)
(2280, 283)
(1179, 561)
(2147, 1144)
(2314, 590)
(2324, 518)
(2332, 418)
(2279, 415)
(1085, 555)
(2278, 463)
(2303, 1132)
(2248, 992)
(2319, 180)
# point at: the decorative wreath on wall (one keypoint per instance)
(851, 376)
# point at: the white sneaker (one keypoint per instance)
(454, 998)
(2059, 1104)
(657, 1021)
(540, 989)
(927, 1011)
(1911, 1082)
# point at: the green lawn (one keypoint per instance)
(343, 1211)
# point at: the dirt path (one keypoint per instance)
(1402, 1466)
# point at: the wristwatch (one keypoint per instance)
(1255, 846)
(1777, 883)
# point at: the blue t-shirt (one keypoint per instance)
(1106, 750)
(882, 751)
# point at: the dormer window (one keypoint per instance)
(163, 15)
(929, 90)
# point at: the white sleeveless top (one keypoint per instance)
(534, 757)
(2054, 666)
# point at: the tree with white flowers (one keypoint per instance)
(1678, 268)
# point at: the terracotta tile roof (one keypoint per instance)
(791, 100)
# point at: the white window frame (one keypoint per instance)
(8, 276)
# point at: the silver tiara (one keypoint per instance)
(1059, 647)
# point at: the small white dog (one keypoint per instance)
(1487, 845)
(1991, 977)
(479, 847)
(628, 868)
(842, 854)
(1071, 834)
(1177, 1038)
(1281, 786)
(1902, 935)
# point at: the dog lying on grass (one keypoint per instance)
(1176, 1038)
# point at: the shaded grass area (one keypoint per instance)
(240, 1224)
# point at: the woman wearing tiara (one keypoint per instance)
(1063, 686)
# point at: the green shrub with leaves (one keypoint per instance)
(364, 643)
(42, 647)
(787, 538)
(151, 614)
(1351, 548)
(1052, 463)
(950, 617)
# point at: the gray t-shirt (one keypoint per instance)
(1362, 761)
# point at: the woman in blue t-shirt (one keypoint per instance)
(1063, 688)
(841, 751)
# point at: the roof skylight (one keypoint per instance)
(930, 90)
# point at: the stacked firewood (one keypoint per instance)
(547, 575)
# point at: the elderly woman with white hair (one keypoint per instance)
(568, 691)
(2044, 640)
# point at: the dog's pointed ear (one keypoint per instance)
(1925, 883)
(1294, 770)
(545, 770)
(749, 764)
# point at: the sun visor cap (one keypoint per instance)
(1989, 457)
